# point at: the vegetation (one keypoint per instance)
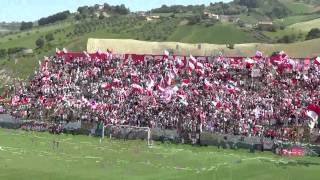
(49, 37)
(26, 25)
(54, 18)
(36, 156)
(313, 34)
(40, 42)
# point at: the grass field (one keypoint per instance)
(27, 155)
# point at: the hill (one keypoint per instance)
(236, 22)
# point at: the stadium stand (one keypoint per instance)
(271, 97)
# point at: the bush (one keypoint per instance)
(15, 50)
(40, 43)
(288, 39)
(49, 37)
(230, 46)
(3, 53)
(313, 34)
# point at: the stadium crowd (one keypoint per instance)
(254, 96)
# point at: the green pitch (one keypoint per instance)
(28, 155)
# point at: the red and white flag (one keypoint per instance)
(317, 61)
(193, 59)
(137, 88)
(191, 66)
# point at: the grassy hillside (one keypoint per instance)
(306, 26)
(218, 34)
(296, 19)
(298, 7)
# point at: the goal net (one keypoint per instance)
(128, 132)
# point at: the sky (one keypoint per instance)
(32, 10)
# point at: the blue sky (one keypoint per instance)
(31, 10)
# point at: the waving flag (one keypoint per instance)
(185, 82)
(166, 53)
(167, 95)
(193, 59)
(191, 66)
(15, 100)
(258, 54)
(317, 61)
(249, 62)
(207, 85)
(106, 86)
(179, 63)
(150, 85)
(199, 65)
(116, 82)
(137, 88)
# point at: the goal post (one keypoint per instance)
(127, 132)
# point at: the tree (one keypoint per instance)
(3, 53)
(26, 25)
(288, 39)
(49, 37)
(40, 43)
(230, 46)
(54, 18)
(313, 34)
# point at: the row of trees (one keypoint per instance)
(90, 11)
(10, 51)
(54, 18)
(178, 9)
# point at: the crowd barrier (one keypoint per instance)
(9, 122)
(236, 141)
(206, 138)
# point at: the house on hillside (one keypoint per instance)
(152, 18)
(265, 25)
(210, 15)
(141, 13)
(27, 51)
